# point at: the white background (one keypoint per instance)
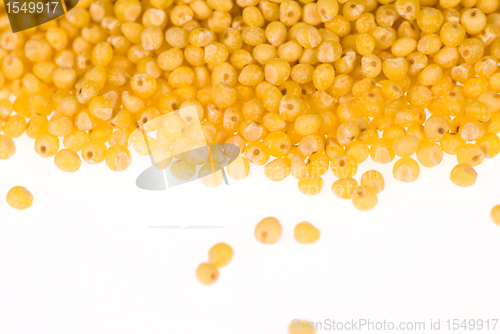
(85, 258)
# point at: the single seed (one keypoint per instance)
(305, 233)
(364, 198)
(220, 255)
(19, 198)
(495, 214)
(463, 175)
(268, 230)
(207, 273)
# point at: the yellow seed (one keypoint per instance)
(268, 231)
(344, 167)
(471, 130)
(305, 233)
(7, 147)
(358, 150)
(429, 154)
(307, 124)
(347, 132)
(409, 9)
(317, 164)
(162, 156)
(470, 154)
(239, 168)
(19, 198)
(223, 95)
(364, 198)
(344, 188)
(381, 151)
(15, 126)
(60, 126)
(490, 144)
(67, 160)
(118, 158)
(211, 175)
(277, 71)
(207, 273)
(145, 146)
(495, 214)
(463, 175)
(277, 170)
(405, 146)
(46, 145)
(374, 180)
(406, 170)
(93, 151)
(220, 254)
(311, 185)
(182, 169)
(323, 76)
(298, 167)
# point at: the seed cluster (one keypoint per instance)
(268, 231)
(300, 86)
(218, 256)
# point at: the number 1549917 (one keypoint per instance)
(30, 7)
(472, 324)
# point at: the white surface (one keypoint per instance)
(84, 258)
